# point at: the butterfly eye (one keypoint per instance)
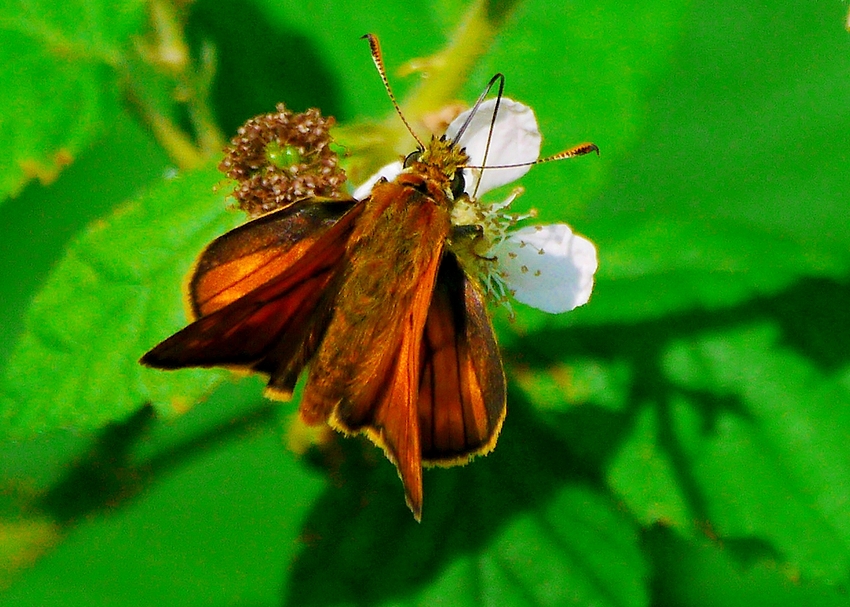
(412, 157)
(458, 183)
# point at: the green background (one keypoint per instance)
(680, 440)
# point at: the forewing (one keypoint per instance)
(265, 328)
(365, 377)
(462, 386)
(251, 255)
(395, 425)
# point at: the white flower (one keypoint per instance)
(515, 140)
(547, 267)
(389, 172)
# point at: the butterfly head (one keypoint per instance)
(441, 161)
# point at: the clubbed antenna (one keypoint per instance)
(375, 47)
(579, 150)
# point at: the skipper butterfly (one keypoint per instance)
(382, 296)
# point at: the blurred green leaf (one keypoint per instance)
(114, 295)
(749, 127)
(338, 65)
(58, 68)
(726, 197)
(588, 72)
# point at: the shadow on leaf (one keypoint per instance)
(362, 546)
(108, 475)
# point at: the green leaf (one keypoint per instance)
(588, 72)
(57, 66)
(309, 64)
(43, 220)
(508, 529)
(750, 442)
(113, 296)
(721, 199)
(574, 383)
(217, 496)
(645, 475)
(700, 573)
(653, 268)
(772, 461)
(745, 128)
(739, 433)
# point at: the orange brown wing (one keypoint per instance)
(365, 376)
(394, 426)
(254, 253)
(462, 386)
(275, 326)
(382, 402)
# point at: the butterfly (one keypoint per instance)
(381, 298)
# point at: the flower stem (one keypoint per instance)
(166, 52)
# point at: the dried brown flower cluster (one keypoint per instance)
(283, 157)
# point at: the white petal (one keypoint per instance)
(547, 267)
(515, 140)
(389, 172)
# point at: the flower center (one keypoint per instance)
(477, 227)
